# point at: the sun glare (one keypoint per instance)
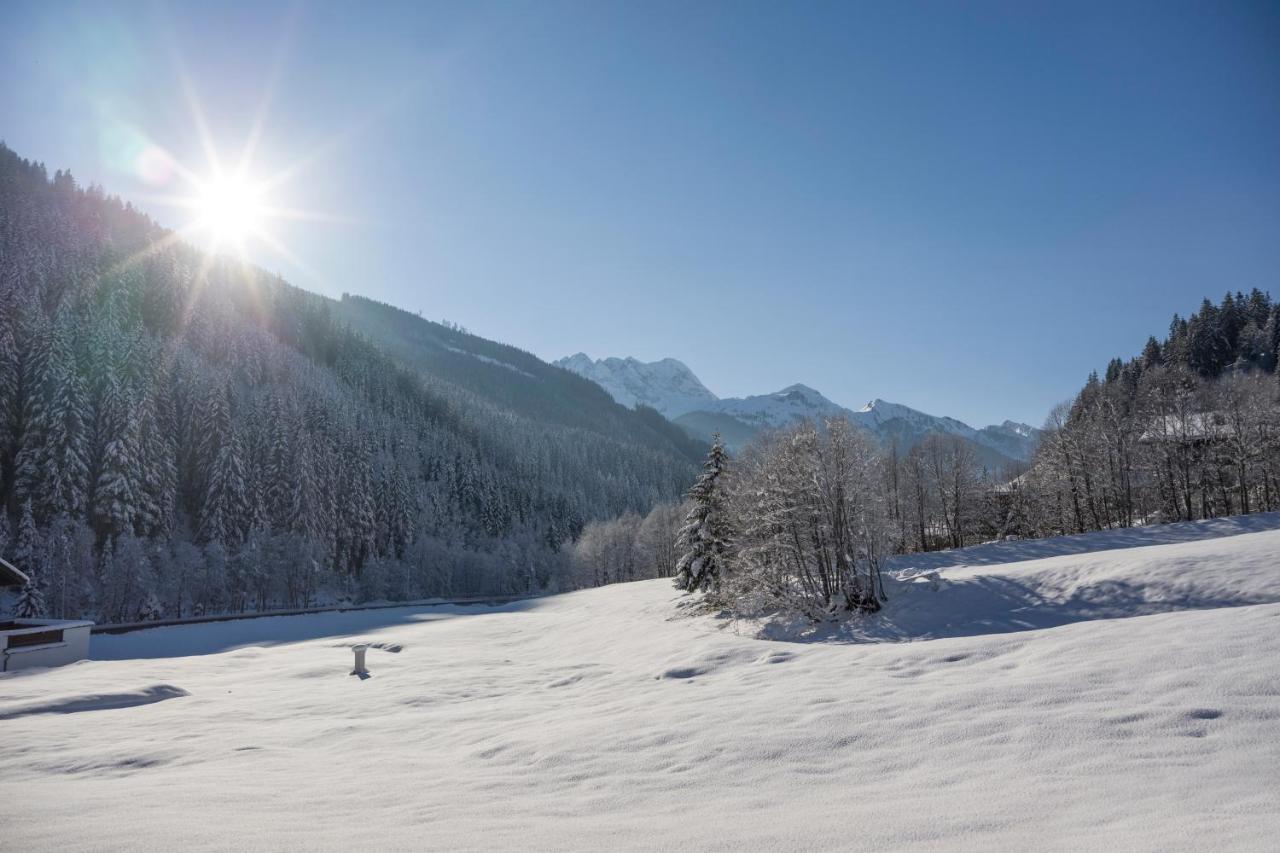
(231, 205)
(230, 210)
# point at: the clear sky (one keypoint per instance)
(963, 207)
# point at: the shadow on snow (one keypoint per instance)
(214, 637)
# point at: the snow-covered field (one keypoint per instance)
(1048, 713)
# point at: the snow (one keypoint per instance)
(668, 386)
(779, 409)
(613, 719)
(672, 388)
(488, 360)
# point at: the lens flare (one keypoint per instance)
(154, 165)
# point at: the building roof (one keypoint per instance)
(1198, 426)
(9, 574)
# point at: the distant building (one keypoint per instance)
(1193, 429)
(27, 643)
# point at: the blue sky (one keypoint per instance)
(960, 207)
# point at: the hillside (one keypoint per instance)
(182, 433)
(510, 378)
(1143, 721)
(1187, 429)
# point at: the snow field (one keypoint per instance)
(607, 720)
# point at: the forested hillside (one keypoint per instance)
(511, 378)
(1188, 429)
(183, 434)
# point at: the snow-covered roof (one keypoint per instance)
(10, 575)
(1193, 427)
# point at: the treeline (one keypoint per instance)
(1188, 429)
(937, 495)
(801, 522)
(628, 548)
(183, 434)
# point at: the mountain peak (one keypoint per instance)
(799, 391)
(1019, 428)
(670, 387)
(667, 385)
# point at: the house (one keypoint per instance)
(1194, 429)
(26, 643)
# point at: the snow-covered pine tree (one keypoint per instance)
(1273, 339)
(704, 539)
(301, 510)
(27, 556)
(278, 471)
(29, 410)
(66, 434)
(30, 601)
(214, 434)
(9, 390)
(224, 514)
(115, 505)
(28, 544)
(158, 476)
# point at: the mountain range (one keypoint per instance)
(671, 388)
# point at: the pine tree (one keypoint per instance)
(1230, 320)
(278, 476)
(1273, 332)
(705, 537)
(214, 435)
(27, 556)
(9, 389)
(28, 545)
(1152, 355)
(300, 517)
(65, 455)
(1258, 307)
(115, 502)
(156, 488)
(1208, 348)
(30, 410)
(225, 511)
(357, 520)
(30, 601)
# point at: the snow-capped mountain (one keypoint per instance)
(673, 389)
(770, 411)
(894, 421)
(667, 385)
(1013, 439)
(886, 419)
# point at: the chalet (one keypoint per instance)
(1199, 428)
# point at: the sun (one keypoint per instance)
(230, 209)
(232, 206)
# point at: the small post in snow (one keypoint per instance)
(360, 667)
